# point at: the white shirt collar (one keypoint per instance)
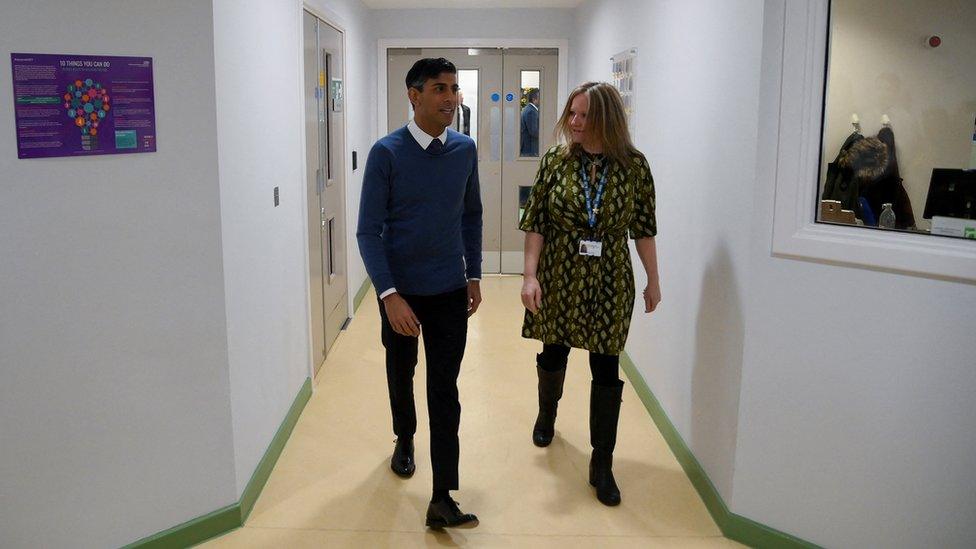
(534, 105)
(422, 137)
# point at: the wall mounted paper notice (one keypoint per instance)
(80, 105)
(623, 74)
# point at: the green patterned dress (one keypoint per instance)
(586, 301)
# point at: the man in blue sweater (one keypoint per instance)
(420, 238)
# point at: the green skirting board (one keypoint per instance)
(233, 516)
(733, 526)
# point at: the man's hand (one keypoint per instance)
(401, 316)
(531, 294)
(474, 296)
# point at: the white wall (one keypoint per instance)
(856, 412)
(880, 65)
(697, 93)
(549, 23)
(115, 417)
(260, 143)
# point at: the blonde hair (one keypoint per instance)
(605, 119)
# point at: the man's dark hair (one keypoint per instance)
(428, 68)
(532, 95)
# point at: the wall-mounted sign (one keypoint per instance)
(336, 94)
(623, 74)
(79, 105)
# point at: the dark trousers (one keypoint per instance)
(604, 368)
(444, 327)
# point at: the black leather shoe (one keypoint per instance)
(445, 514)
(402, 461)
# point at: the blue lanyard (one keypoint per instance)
(593, 206)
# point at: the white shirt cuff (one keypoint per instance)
(388, 292)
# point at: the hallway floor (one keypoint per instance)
(332, 486)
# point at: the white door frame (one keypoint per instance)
(385, 43)
(330, 20)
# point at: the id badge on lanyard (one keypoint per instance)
(592, 247)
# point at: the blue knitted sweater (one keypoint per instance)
(420, 215)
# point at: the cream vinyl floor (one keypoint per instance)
(332, 486)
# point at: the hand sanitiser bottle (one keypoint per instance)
(887, 218)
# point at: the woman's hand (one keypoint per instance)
(531, 294)
(647, 250)
(652, 296)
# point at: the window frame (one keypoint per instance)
(801, 31)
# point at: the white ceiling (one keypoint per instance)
(470, 4)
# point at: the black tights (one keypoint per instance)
(605, 368)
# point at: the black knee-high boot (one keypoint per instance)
(550, 391)
(604, 414)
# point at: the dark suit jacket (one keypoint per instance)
(465, 127)
(529, 133)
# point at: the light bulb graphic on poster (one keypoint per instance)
(82, 105)
(87, 103)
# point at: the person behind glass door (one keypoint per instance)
(578, 287)
(463, 123)
(420, 238)
(529, 132)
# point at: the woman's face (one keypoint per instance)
(577, 118)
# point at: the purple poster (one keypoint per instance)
(79, 105)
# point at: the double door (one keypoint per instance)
(511, 100)
(324, 146)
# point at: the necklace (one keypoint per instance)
(592, 159)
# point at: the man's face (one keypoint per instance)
(435, 104)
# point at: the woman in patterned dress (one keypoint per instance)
(578, 289)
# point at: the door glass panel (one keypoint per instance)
(531, 103)
(325, 117)
(524, 191)
(466, 119)
(332, 270)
